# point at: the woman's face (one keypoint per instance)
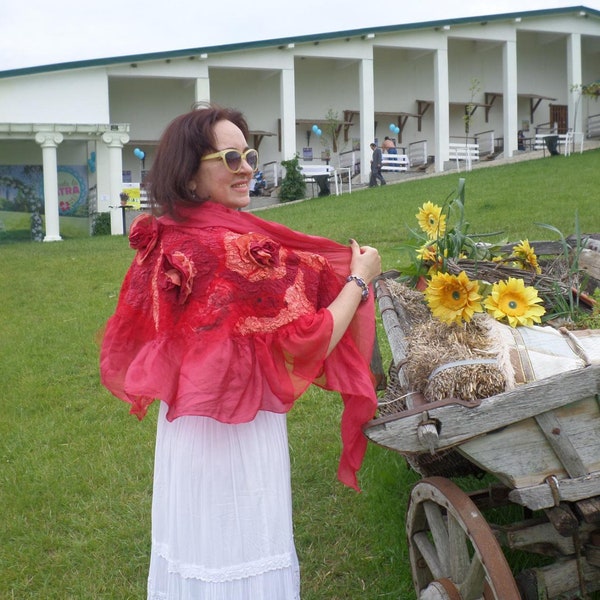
(213, 181)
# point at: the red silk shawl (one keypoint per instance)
(224, 314)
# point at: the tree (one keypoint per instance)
(471, 106)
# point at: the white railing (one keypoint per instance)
(395, 163)
(271, 173)
(486, 141)
(564, 141)
(417, 153)
(463, 151)
(350, 160)
(593, 126)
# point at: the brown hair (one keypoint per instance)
(183, 143)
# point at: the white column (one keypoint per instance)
(510, 97)
(574, 80)
(367, 116)
(49, 141)
(442, 107)
(288, 113)
(114, 142)
(202, 83)
(202, 89)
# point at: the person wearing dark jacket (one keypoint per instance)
(376, 162)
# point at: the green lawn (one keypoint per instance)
(76, 469)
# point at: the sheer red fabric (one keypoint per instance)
(224, 314)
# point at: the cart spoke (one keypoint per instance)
(439, 533)
(460, 553)
(471, 587)
(429, 554)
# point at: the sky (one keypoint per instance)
(43, 32)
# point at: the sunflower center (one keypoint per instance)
(512, 304)
(455, 295)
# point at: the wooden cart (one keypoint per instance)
(540, 443)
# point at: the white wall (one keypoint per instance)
(148, 104)
(77, 96)
(256, 93)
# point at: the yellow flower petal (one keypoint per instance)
(453, 298)
(513, 301)
(526, 255)
(431, 220)
(427, 253)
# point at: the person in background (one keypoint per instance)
(227, 319)
(388, 146)
(376, 163)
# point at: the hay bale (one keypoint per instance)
(443, 361)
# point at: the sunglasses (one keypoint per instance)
(232, 159)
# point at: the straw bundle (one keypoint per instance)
(445, 361)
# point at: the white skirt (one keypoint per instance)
(222, 511)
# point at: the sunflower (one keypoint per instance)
(431, 220)
(453, 298)
(526, 256)
(427, 253)
(512, 300)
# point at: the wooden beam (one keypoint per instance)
(422, 108)
(257, 137)
(490, 98)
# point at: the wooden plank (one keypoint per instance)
(589, 261)
(458, 424)
(589, 509)
(561, 578)
(538, 537)
(389, 318)
(561, 444)
(520, 455)
(569, 490)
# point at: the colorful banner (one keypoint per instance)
(22, 189)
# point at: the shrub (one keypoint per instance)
(293, 186)
(101, 224)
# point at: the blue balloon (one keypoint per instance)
(315, 129)
(396, 130)
(319, 132)
(139, 153)
(392, 127)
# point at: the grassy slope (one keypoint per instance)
(75, 474)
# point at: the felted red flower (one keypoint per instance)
(179, 272)
(143, 236)
(259, 249)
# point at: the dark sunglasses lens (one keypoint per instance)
(233, 160)
(252, 159)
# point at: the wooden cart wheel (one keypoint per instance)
(453, 552)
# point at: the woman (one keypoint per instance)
(227, 319)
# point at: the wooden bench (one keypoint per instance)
(397, 163)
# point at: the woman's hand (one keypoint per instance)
(365, 263)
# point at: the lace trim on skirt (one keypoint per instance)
(229, 573)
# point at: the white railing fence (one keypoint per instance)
(417, 153)
(593, 126)
(486, 142)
